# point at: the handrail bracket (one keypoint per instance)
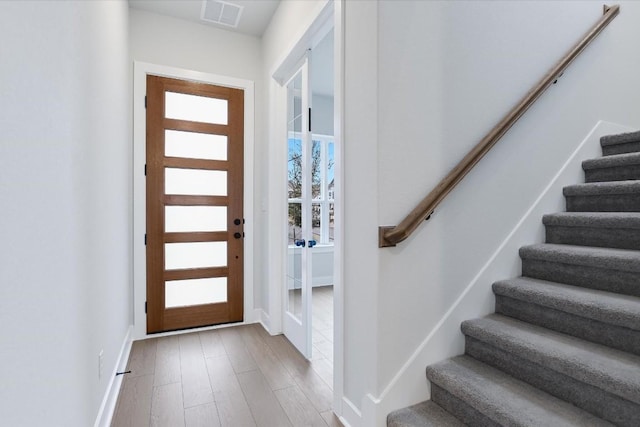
(382, 239)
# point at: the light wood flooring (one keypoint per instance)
(237, 376)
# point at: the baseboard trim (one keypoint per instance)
(108, 406)
(409, 385)
(265, 321)
(351, 415)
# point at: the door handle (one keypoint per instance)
(312, 243)
(237, 235)
(301, 242)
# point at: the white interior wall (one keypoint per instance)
(65, 179)
(448, 71)
(167, 41)
(361, 181)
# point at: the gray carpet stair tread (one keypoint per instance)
(425, 414)
(612, 161)
(607, 258)
(594, 219)
(602, 188)
(504, 399)
(607, 307)
(621, 138)
(615, 371)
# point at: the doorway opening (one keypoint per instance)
(311, 205)
(194, 176)
(239, 296)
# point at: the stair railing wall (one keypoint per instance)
(392, 235)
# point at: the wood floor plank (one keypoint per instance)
(134, 402)
(222, 377)
(264, 406)
(227, 377)
(324, 368)
(327, 334)
(166, 406)
(142, 359)
(331, 419)
(196, 389)
(273, 370)
(202, 416)
(233, 408)
(167, 367)
(262, 332)
(298, 407)
(316, 337)
(239, 356)
(212, 344)
(325, 348)
(314, 387)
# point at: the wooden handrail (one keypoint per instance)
(390, 236)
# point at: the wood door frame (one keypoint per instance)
(141, 69)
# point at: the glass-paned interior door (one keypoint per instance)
(300, 241)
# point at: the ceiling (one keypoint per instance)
(254, 20)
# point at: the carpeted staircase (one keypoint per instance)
(563, 347)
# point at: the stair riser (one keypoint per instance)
(622, 282)
(460, 409)
(613, 336)
(604, 203)
(424, 414)
(592, 399)
(618, 173)
(629, 147)
(620, 238)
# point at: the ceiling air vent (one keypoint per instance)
(221, 12)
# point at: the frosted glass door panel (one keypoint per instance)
(195, 182)
(195, 255)
(195, 218)
(193, 145)
(180, 293)
(195, 108)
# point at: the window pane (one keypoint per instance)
(195, 145)
(179, 293)
(295, 222)
(295, 297)
(195, 108)
(294, 101)
(195, 218)
(195, 182)
(331, 222)
(195, 255)
(316, 170)
(331, 160)
(295, 166)
(294, 281)
(316, 222)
